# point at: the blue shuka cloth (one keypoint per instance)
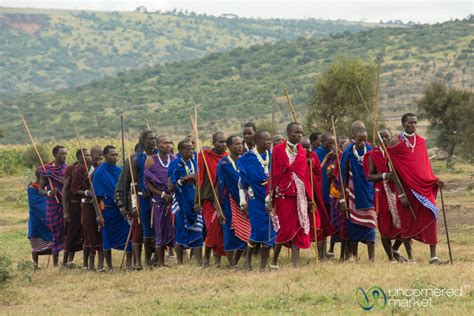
(228, 179)
(144, 203)
(187, 222)
(37, 227)
(363, 192)
(252, 175)
(321, 151)
(116, 227)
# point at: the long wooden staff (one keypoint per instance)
(134, 188)
(270, 172)
(341, 176)
(124, 187)
(290, 104)
(195, 131)
(38, 154)
(376, 101)
(98, 215)
(219, 212)
(389, 158)
(446, 226)
(134, 192)
(314, 205)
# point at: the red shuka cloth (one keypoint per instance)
(323, 223)
(284, 202)
(212, 159)
(214, 235)
(384, 218)
(414, 170)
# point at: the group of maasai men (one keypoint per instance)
(243, 197)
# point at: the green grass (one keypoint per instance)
(327, 287)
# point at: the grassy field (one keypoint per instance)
(328, 287)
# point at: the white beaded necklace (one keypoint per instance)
(161, 161)
(405, 136)
(233, 163)
(265, 162)
(188, 170)
(360, 159)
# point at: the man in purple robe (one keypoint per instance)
(156, 179)
(51, 183)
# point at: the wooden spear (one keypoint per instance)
(376, 101)
(314, 205)
(290, 104)
(219, 212)
(341, 176)
(38, 154)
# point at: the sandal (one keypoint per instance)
(438, 261)
(274, 267)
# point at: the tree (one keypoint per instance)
(450, 113)
(335, 94)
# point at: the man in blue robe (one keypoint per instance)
(236, 228)
(38, 232)
(362, 220)
(188, 223)
(254, 168)
(116, 228)
(147, 143)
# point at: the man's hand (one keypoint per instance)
(312, 206)
(440, 183)
(244, 208)
(167, 197)
(88, 193)
(54, 192)
(403, 198)
(198, 209)
(135, 213)
(100, 220)
(67, 219)
(221, 219)
(389, 176)
(343, 206)
(123, 211)
(269, 207)
(189, 178)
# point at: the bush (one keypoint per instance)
(30, 158)
(5, 269)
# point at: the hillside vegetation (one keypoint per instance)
(52, 49)
(236, 86)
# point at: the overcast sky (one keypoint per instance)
(424, 11)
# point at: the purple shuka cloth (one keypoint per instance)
(157, 175)
(54, 210)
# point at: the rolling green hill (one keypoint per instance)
(53, 49)
(236, 86)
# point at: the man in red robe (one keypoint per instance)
(417, 201)
(72, 212)
(204, 199)
(291, 190)
(388, 221)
